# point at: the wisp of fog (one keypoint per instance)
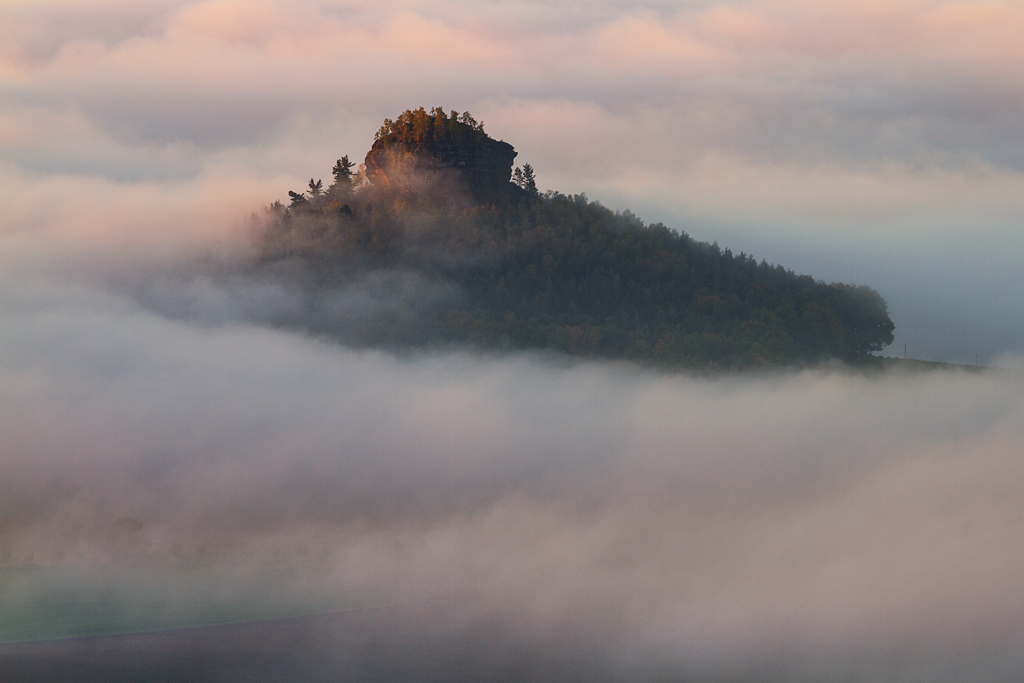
(170, 456)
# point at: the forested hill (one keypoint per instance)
(437, 219)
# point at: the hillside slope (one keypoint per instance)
(497, 264)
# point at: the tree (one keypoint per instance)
(467, 119)
(342, 172)
(867, 317)
(524, 178)
(529, 181)
(316, 187)
(298, 198)
(343, 169)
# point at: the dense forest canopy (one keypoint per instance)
(495, 263)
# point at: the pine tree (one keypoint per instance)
(342, 172)
(517, 177)
(529, 182)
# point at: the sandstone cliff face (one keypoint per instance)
(418, 146)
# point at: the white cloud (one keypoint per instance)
(709, 523)
(801, 522)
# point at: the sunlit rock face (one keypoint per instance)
(419, 145)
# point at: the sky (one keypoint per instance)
(868, 142)
(816, 525)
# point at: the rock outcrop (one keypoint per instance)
(421, 145)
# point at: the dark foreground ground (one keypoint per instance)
(403, 644)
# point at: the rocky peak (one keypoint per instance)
(419, 142)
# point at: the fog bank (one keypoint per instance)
(814, 523)
(177, 448)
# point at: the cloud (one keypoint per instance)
(799, 524)
(906, 64)
(810, 525)
(833, 139)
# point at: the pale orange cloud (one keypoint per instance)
(235, 21)
(334, 43)
(854, 117)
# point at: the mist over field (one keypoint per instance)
(179, 446)
(586, 517)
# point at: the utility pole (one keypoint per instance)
(904, 350)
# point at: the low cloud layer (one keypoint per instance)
(802, 526)
(813, 524)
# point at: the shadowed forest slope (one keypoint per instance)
(438, 220)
